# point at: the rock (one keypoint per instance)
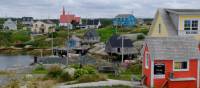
(71, 71)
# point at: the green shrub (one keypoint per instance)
(55, 34)
(85, 70)
(141, 30)
(140, 37)
(90, 69)
(75, 66)
(92, 78)
(135, 68)
(13, 84)
(54, 71)
(40, 69)
(65, 76)
(80, 72)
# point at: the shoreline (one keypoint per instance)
(21, 51)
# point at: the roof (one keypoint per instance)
(45, 21)
(48, 21)
(75, 38)
(92, 21)
(91, 33)
(185, 11)
(172, 30)
(123, 15)
(27, 18)
(116, 41)
(68, 18)
(172, 47)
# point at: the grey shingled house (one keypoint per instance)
(91, 36)
(114, 46)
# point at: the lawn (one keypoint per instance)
(105, 33)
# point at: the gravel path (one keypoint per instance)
(110, 82)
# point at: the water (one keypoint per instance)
(14, 61)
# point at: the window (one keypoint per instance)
(191, 25)
(195, 25)
(147, 60)
(181, 66)
(159, 28)
(187, 24)
(118, 50)
(159, 69)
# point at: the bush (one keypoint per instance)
(65, 76)
(55, 34)
(80, 72)
(85, 70)
(92, 78)
(140, 37)
(54, 71)
(135, 68)
(75, 66)
(141, 30)
(40, 69)
(90, 69)
(13, 84)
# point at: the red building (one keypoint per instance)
(171, 62)
(67, 19)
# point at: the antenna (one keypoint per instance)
(132, 12)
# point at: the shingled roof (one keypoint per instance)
(184, 11)
(116, 41)
(172, 47)
(91, 33)
(92, 21)
(123, 15)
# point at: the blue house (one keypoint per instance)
(124, 20)
(74, 42)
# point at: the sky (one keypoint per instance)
(90, 8)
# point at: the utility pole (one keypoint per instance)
(122, 47)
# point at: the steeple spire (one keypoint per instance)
(63, 10)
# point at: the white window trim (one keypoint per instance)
(146, 63)
(183, 23)
(188, 65)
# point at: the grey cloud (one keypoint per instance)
(89, 8)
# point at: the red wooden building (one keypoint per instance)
(66, 18)
(171, 62)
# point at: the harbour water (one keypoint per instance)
(14, 61)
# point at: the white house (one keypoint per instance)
(10, 25)
(43, 27)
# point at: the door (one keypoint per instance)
(159, 70)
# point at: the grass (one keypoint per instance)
(105, 33)
(120, 77)
(92, 78)
(127, 73)
(39, 72)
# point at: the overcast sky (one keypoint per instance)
(89, 8)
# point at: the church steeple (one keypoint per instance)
(63, 10)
